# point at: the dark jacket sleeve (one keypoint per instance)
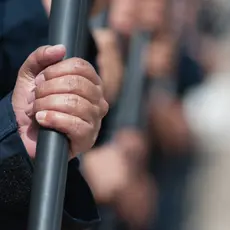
(16, 170)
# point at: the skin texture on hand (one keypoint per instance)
(63, 95)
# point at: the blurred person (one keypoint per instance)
(173, 71)
(207, 108)
(168, 133)
(118, 176)
(159, 63)
(115, 180)
(127, 15)
(166, 114)
(131, 14)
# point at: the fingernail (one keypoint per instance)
(40, 116)
(53, 49)
(39, 79)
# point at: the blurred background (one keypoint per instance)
(162, 158)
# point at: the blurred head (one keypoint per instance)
(125, 15)
(214, 28)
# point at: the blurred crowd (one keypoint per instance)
(164, 167)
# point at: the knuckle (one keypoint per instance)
(40, 53)
(61, 81)
(51, 119)
(73, 82)
(39, 90)
(77, 127)
(72, 102)
(93, 134)
(79, 62)
(36, 106)
(100, 82)
(47, 72)
(39, 50)
(101, 89)
(104, 107)
(93, 141)
(89, 131)
(96, 114)
(82, 129)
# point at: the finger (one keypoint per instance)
(104, 107)
(39, 79)
(40, 59)
(72, 66)
(69, 104)
(72, 84)
(82, 134)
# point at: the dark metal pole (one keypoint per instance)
(48, 190)
(130, 102)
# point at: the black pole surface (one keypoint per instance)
(49, 182)
(130, 102)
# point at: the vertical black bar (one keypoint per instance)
(82, 33)
(129, 103)
(46, 205)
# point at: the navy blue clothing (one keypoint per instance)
(23, 28)
(16, 171)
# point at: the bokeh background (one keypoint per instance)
(162, 159)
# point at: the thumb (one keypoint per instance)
(40, 59)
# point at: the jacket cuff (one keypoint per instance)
(15, 165)
(16, 170)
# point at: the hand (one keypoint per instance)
(63, 95)
(110, 175)
(134, 148)
(107, 171)
(112, 167)
(110, 62)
